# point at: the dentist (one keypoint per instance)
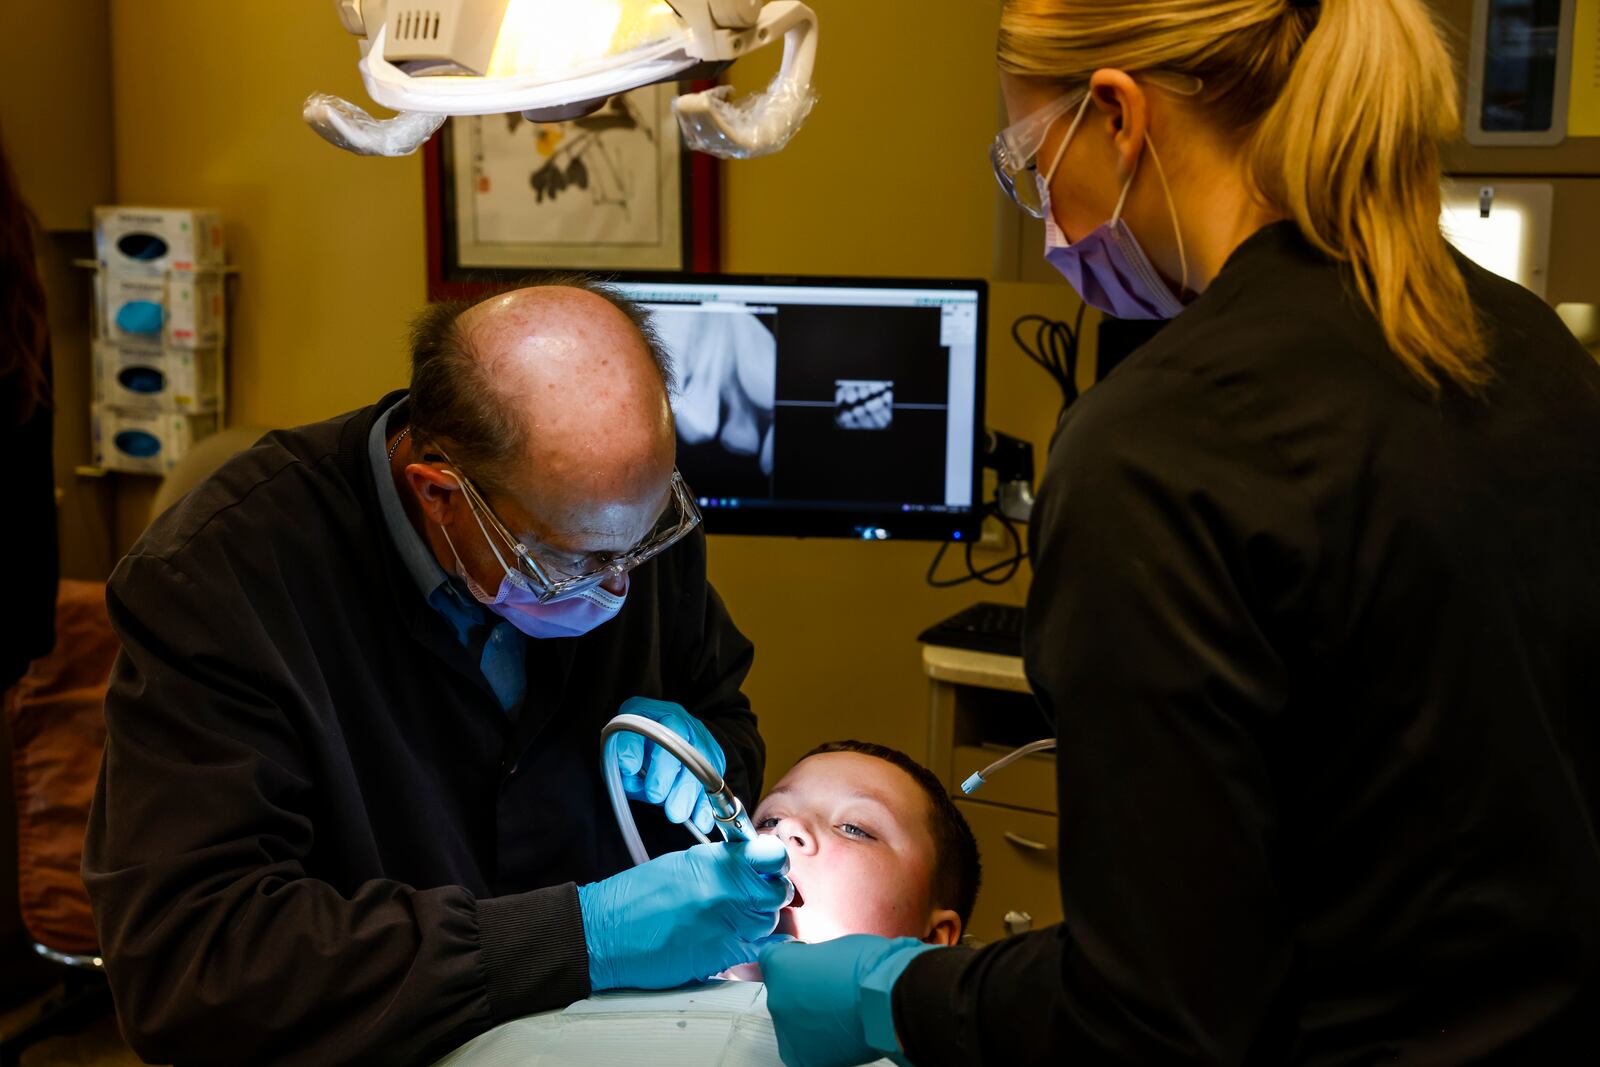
(351, 808)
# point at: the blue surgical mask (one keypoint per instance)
(570, 616)
(1109, 268)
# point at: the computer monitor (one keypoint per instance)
(827, 407)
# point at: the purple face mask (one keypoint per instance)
(515, 602)
(1108, 268)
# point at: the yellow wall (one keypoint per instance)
(54, 93)
(330, 246)
(55, 103)
(888, 177)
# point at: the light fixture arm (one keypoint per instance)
(430, 75)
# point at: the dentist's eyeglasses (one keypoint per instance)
(551, 575)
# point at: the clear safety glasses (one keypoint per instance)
(1015, 152)
(551, 575)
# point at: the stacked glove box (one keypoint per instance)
(159, 334)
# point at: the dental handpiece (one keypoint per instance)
(732, 821)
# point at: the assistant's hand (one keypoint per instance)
(650, 772)
(831, 1002)
(685, 915)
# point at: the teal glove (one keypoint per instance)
(650, 772)
(684, 916)
(831, 1002)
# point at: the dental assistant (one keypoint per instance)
(351, 809)
(1316, 585)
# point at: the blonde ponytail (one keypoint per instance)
(1350, 151)
(1339, 109)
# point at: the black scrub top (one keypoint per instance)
(1323, 654)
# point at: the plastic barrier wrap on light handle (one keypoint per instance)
(347, 126)
(761, 123)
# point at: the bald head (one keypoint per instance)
(553, 394)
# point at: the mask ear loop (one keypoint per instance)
(481, 527)
(479, 593)
(461, 568)
(1062, 149)
(1172, 209)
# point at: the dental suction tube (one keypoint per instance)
(971, 785)
(732, 820)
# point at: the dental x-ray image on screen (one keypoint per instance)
(726, 366)
(848, 370)
(832, 407)
(863, 405)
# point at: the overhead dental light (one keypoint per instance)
(553, 60)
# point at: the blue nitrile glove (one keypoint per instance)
(831, 1003)
(685, 915)
(650, 772)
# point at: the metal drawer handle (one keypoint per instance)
(1026, 842)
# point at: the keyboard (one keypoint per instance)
(984, 627)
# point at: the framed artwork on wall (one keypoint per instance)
(612, 191)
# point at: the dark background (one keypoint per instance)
(813, 458)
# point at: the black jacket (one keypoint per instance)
(317, 837)
(1323, 654)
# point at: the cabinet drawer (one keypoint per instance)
(1020, 867)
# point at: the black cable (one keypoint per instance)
(1013, 563)
(1054, 348)
(1010, 565)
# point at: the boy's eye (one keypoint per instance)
(852, 830)
(767, 823)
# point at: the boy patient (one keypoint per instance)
(876, 846)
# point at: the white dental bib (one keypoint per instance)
(722, 1023)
